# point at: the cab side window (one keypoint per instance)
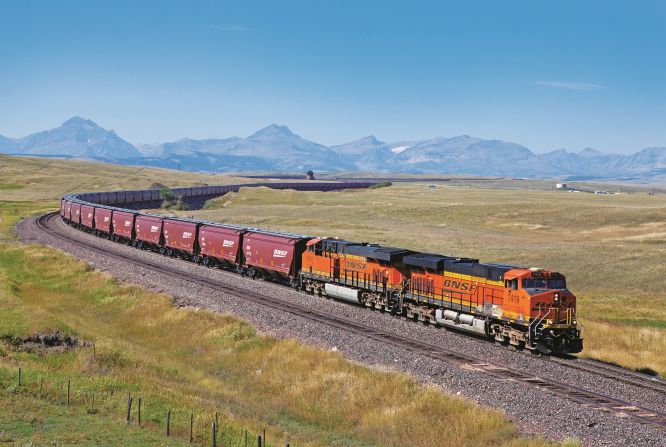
(511, 284)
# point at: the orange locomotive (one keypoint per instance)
(525, 308)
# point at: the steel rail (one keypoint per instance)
(616, 373)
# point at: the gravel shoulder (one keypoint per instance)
(532, 410)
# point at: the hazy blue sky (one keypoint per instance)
(546, 74)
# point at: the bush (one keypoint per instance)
(167, 194)
(381, 185)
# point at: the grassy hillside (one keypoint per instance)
(33, 178)
(181, 359)
(612, 248)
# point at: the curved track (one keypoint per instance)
(614, 372)
(593, 400)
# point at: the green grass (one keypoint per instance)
(31, 420)
(10, 186)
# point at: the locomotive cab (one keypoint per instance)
(548, 308)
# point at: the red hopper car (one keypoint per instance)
(76, 213)
(68, 210)
(180, 236)
(220, 244)
(123, 225)
(148, 231)
(103, 220)
(273, 255)
(88, 216)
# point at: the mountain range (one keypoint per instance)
(276, 148)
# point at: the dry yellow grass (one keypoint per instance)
(611, 248)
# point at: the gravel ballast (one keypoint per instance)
(533, 410)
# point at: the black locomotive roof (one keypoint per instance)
(336, 245)
(430, 261)
(426, 260)
(372, 251)
(472, 267)
(462, 266)
(377, 252)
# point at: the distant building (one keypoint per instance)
(309, 175)
(561, 186)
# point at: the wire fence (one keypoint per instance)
(199, 428)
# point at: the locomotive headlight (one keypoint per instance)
(557, 297)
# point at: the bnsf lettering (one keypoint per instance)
(128, 223)
(279, 253)
(106, 219)
(459, 285)
(227, 243)
(154, 228)
(355, 265)
(187, 235)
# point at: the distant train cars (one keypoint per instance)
(522, 307)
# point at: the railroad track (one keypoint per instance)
(613, 372)
(596, 401)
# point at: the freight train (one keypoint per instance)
(523, 308)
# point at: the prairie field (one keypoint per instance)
(612, 248)
(135, 342)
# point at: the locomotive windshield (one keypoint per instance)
(555, 283)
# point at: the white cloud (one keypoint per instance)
(227, 27)
(570, 85)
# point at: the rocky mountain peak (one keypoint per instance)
(273, 130)
(78, 121)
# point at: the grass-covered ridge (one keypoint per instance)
(184, 359)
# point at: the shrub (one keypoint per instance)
(381, 185)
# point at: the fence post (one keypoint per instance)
(69, 387)
(191, 425)
(259, 440)
(41, 386)
(245, 438)
(168, 423)
(139, 412)
(264, 436)
(213, 432)
(19, 376)
(129, 408)
(92, 409)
